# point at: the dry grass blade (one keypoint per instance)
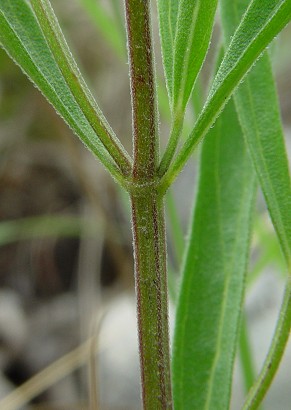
(49, 376)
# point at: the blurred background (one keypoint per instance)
(66, 268)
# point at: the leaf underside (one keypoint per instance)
(258, 111)
(193, 31)
(22, 38)
(168, 14)
(185, 31)
(261, 23)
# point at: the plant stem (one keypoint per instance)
(148, 222)
(152, 306)
(144, 110)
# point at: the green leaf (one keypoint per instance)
(23, 39)
(211, 294)
(261, 23)
(258, 111)
(193, 32)
(57, 43)
(168, 13)
(185, 41)
(257, 107)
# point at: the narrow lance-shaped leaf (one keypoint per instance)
(194, 28)
(168, 14)
(211, 293)
(261, 23)
(22, 38)
(258, 111)
(57, 43)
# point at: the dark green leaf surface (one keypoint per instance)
(213, 279)
(258, 111)
(22, 38)
(261, 23)
(193, 32)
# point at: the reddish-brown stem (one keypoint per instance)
(144, 113)
(152, 306)
(148, 215)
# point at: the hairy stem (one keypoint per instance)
(148, 214)
(144, 111)
(152, 306)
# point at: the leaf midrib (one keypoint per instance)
(177, 104)
(280, 229)
(229, 269)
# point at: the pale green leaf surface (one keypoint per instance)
(212, 287)
(261, 23)
(23, 40)
(183, 58)
(193, 32)
(65, 61)
(258, 111)
(168, 13)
